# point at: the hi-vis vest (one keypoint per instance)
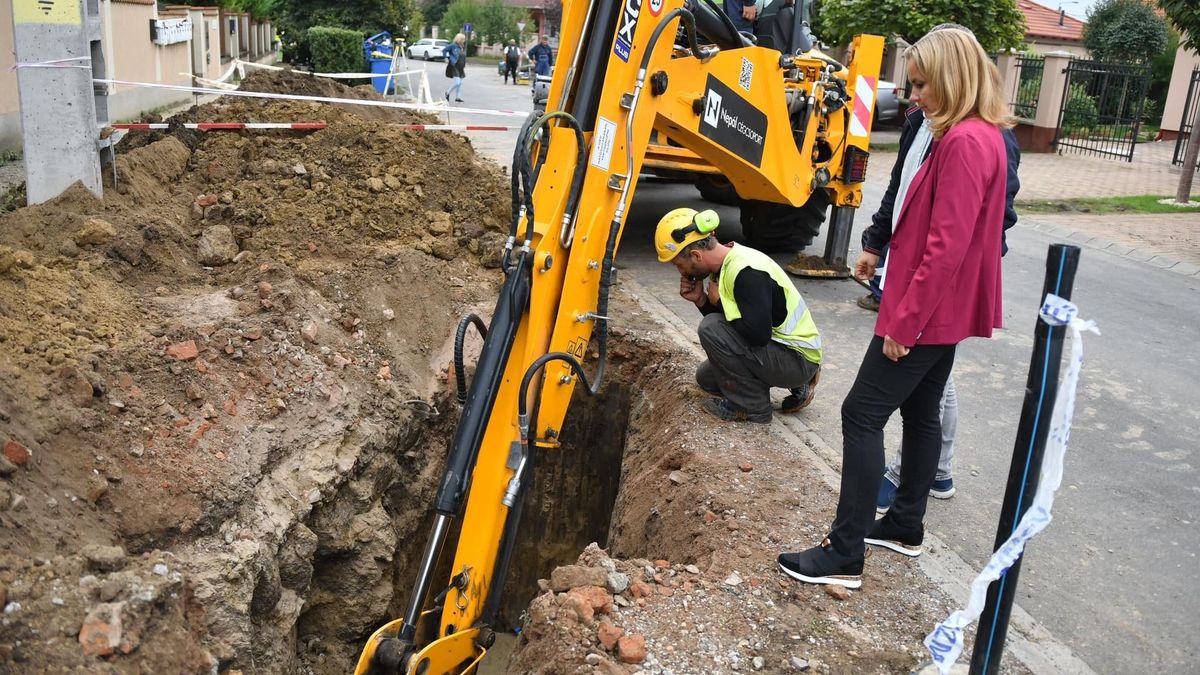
(798, 330)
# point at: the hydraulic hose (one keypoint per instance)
(459, 373)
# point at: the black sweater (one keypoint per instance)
(762, 303)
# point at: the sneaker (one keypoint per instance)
(884, 533)
(459, 100)
(942, 489)
(447, 97)
(869, 302)
(725, 411)
(801, 397)
(887, 494)
(822, 565)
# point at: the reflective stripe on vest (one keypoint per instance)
(798, 330)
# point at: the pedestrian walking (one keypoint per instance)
(456, 66)
(512, 61)
(757, 331)
(944, 286)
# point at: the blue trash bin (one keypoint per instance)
(377, 50)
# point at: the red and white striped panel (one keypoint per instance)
(864, 104)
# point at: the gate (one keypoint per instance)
(1029, 86)
(1185, 125)
(1101, 110)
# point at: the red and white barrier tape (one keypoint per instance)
(305, 126)
(317, 99)
(214, 126)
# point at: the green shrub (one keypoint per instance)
(1026, 104)
(1080, 113)
(336, 50)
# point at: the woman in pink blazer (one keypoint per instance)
(943, 286)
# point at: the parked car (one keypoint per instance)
(428, 49)
(887, 104)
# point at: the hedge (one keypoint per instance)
(336, 50)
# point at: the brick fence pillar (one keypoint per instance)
(1039, 136)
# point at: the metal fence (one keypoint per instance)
(1102, 108)
(1185, 125)
(1029, 85)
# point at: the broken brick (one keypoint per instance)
(183, 351)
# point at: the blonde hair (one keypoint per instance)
(460, 38)
(961, 79)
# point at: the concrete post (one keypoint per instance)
(255, 51)
(244, 36)
(1010, 77)
(58, 108)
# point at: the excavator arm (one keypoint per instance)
(779, 125)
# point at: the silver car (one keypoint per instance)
(887, 104)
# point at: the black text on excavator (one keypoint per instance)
(778, 118)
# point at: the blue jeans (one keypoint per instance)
(733, 9)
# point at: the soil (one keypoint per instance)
(224, 404)
(217, 368)
(703, 509)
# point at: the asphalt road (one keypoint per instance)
(1110, 576)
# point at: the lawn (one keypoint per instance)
(1102, 205)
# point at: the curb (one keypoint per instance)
(1028, 640)
(1141, 255)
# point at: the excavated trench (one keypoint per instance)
(571, 503)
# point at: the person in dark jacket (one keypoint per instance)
(757, 331)
(542, 56)
(742, 13)
(512, 60)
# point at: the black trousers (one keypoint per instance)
(510, 68)
(914, 386)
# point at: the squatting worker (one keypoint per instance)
(756, 331)
(943, 287)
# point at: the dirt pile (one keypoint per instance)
(225, 369)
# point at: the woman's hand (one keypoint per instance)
(864, 267)
(892, 349)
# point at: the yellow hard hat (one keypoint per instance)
(681, 227)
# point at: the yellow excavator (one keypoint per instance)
(778, 118)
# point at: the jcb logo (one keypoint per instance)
(712, 109)
(626, 28)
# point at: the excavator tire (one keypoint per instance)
(717, 189)
(781, 228)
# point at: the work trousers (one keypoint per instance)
(914, 386)
(744, 374)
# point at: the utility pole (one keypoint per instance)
(57, 46)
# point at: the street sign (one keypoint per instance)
(520, 26)
(467, 28)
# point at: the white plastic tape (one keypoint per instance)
(427, 107)
(945, 643)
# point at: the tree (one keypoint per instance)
(498, 22)
(434, 10)
(460, 13)
(998, 24)
(1185, 15)
(1124, 31)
